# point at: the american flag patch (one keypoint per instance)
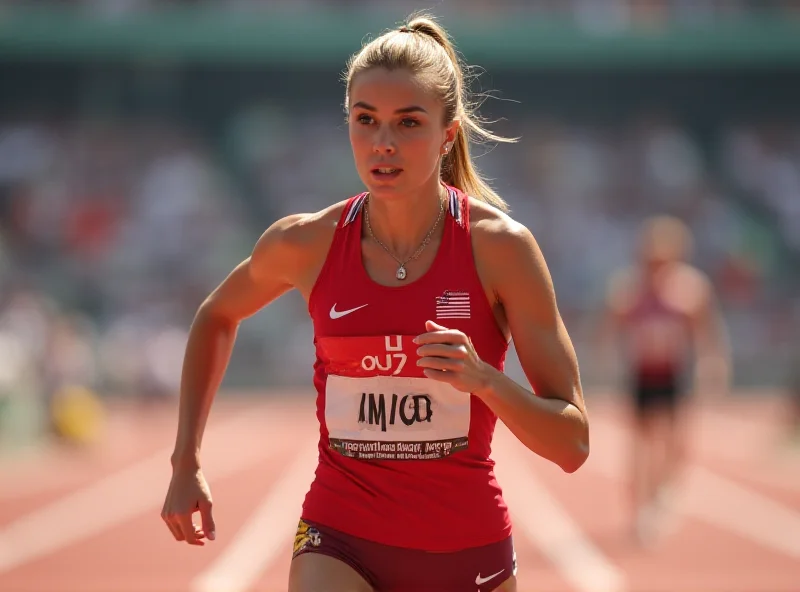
(452, 305)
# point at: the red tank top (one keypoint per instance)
(657, 337)
(403, 460)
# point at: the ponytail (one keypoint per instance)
(458, 167)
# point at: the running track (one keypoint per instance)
(88, 521)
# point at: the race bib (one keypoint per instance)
(380, 406)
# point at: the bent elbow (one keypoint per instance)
(574, 463)
(577, 458)
(213, 313)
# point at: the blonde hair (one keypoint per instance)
(665, 237)
(422, 45)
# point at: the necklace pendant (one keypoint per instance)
(401, 273)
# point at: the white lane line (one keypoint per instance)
(120, 496)
(548, 525)
(774, 463)
(707, 496)
(730, 506)
(781, 478)
(264, 534)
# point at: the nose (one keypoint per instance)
(383, 142)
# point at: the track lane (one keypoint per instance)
(136, 554)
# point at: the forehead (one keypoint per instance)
(389, 90)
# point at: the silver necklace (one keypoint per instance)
(401, 271)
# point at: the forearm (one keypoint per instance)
(552, 428)
(208, 352)
(713, 358)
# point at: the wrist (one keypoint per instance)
(188, 459)
(488, 383)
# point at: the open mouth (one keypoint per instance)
(386, 172)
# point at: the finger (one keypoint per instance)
(442, 350)
(448, 364)
(188, 529)
(450, 336)
(440, 375)
(172, 522)
(431, 326)
(199, 535)
(209, 529)
(173, 528)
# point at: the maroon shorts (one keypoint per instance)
(395, 569)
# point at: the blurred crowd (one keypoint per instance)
(615, 14)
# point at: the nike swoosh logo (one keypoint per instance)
(336, 314)
(479, 580)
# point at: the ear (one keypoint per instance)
(450, 133)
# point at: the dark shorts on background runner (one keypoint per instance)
(663, 394)
(395, 569)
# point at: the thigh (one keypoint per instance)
(510, 585)
(314, 572)
(324, 559)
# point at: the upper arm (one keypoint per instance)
(523, 285)
(274, 267)
(707, 322)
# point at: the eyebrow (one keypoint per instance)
(410, 109)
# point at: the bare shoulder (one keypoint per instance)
(495, 231)
(305, 231)
(692, 278)
(297, 244)
(690, 288)
(505, 250)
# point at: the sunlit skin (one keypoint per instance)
(395, 121)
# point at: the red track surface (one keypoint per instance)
(88, 521)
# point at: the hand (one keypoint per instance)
(188, 493)
(448, 355)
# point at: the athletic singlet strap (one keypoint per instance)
(454, 207)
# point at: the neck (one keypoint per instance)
(402, 224)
